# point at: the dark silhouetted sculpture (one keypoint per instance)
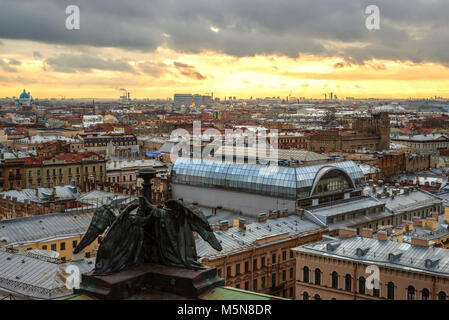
(145, 233)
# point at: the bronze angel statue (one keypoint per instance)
(146, 233)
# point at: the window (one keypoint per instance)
(273, 280)
(219, 273)
(62, 245)
(317, 297)
(348, 280)
(255, 264)
(291, 254)
(237, 268)
(284, 275)
(305, 274)
(317, 276)
(362, 285)
(254, 284)
(246, 266)
(238, 286)
(411, 293)
(228, 272)
(442, 295)
(305, 296)
(74, 243)
(263, 282)
(425, 294)
(53, 247)
(273, 258)
(262, 261)
(335, 280)
(246, 285)
(44, 247)
(376, 292)
(390, 291)
(284, 255)
(291, 273)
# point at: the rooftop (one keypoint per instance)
(236, 239)
(378, 252)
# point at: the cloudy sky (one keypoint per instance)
(241, 48)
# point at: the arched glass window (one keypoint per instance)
(317, 297)
(390, 291)
(348, 284)
(442, 295)
(305, 274)
(305, 295)
(362, 285)
(335, 280)
(411, 293)
(425, 294)
(317, 276)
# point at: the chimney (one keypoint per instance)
(284, 213)
(300, 212)
(367, 233)
(242, 223)
(382, 235)
(435, 215)
(347, 232)
(431, 223)
(419, 242)
(274, 214)
(417, 222)
(224, 225)
(262, 217)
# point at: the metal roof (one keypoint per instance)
(35, 278)
(42, 227)
(412, 257)
(61, 193)
(236, 239)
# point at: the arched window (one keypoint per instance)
(411, 293)
(348, 284)
(317, 297)
(362, 285)
(390, 291)
(305, 296)
(317, 276)
(335, 280)
(442, 295)
(305, 274)
(425, 294)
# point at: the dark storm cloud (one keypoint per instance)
(188, 71)
(86, 63)
(414, 30)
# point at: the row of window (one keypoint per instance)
(246, 267)
(411, 292)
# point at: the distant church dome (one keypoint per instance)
(24, 95)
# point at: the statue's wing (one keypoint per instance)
(197, 221)
(102, 219)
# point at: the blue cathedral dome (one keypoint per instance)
(24, 95)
